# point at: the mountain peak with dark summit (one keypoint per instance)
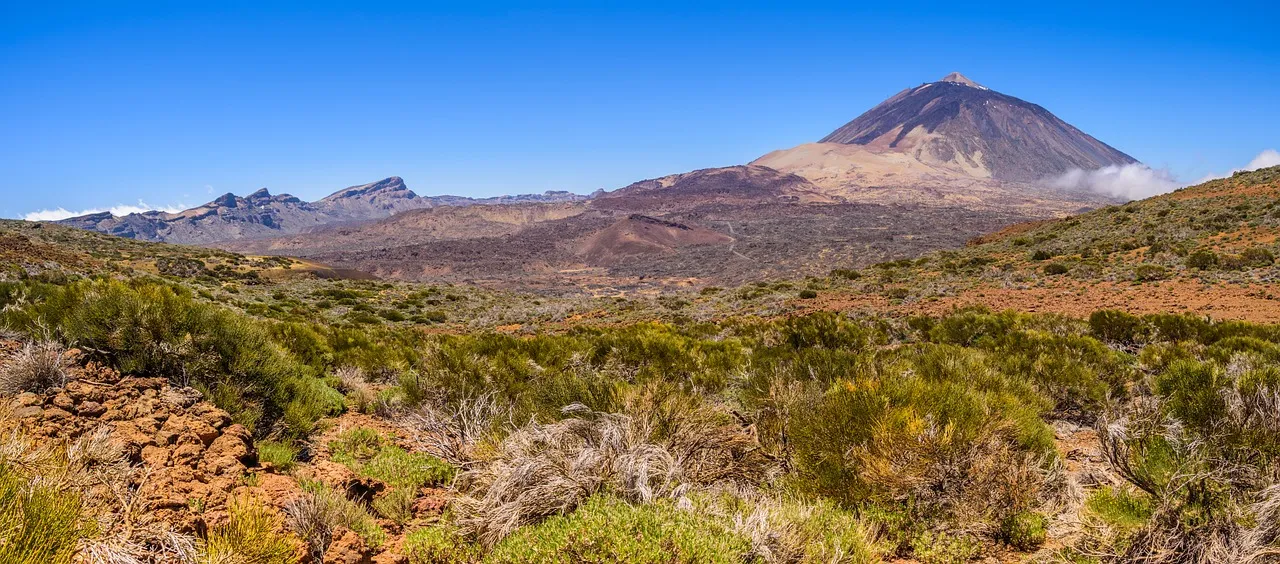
(960, 123)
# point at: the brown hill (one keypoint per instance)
(643, 235)
(734, 185)
(443, 223)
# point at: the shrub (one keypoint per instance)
(440, 544)
(1055, 268)
(543, 470)
(35, 368)
(369, 455)
(1025, 530)
(934, 425)
(1258, 256)
(155, 330)
(1040, 255)
(605, 529)
(282, 455)
(940, 548)
(38, 523)
(1120, 508)
(1148, 272)
(249, 536)
(795, 530)
(808, 294)
(1202, 259)
(321, 510)
(1117, 327)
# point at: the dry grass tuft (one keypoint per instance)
(661, 450)
(317, 514)
(453, 432)
(36, 367)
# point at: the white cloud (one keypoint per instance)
(1137, 181)
(1131, 181)
(1267, 158)
(116, 210)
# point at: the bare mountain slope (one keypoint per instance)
(734, 185)
(959, 122)
(953, 142)
(643, 235)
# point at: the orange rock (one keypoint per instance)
(347, 548)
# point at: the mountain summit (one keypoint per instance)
(961, 79)
(956, 121)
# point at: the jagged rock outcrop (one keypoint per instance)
(261, 214)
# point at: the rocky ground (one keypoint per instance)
(184, 462)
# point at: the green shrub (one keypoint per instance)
(808, 294)
(1120, 508)
(886, 434)
(1148, 272)
(1258, 257)
(1055, 268)
(1117, 327)
(605, 529)
(368, 454)
(155, 330)
(38, 523)
(249, 536)
(440, 544)
(1202, 259)
(940, 548)
(1040, 255)
(282, 455)
(1025, 530)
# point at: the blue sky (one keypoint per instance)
(173, 103)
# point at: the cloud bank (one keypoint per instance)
(1137, 181)
(116, 210)
(1131, 181)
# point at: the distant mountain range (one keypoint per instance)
(261, 214)
(926, 169)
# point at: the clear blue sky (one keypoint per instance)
(176, 102)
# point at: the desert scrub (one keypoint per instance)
(321, 510)
(1025, 530)
(606, 529)
(933, 425)
(368, 454)
(250, 535)
(784, 528)
(280, 454)
(942, 548)
(440, 544)
(157, 330)
(34, 368)
(38, 523)
(1124, 510)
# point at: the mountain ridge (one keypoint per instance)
(262, 215)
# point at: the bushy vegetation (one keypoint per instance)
(371, 455)
(250, 535)
(815, 438)
(38, 522)
(157, 330)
